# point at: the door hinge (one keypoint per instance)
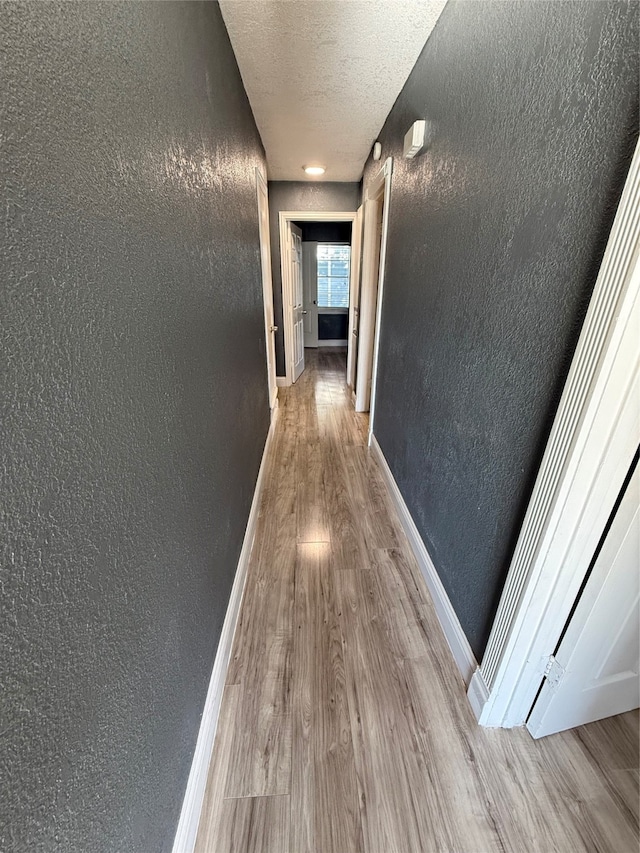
(553, 671)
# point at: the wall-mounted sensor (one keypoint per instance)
(414, 139)
(377, 150)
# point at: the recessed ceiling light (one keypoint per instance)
(314, 170)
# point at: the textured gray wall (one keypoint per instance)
(495, 239)
(325, 232)
(300, 195)
(332, 327)
(134, 407)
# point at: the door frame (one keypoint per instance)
(267, 290)
(590, 449)
(285, 218)
(354, 297)
(373, 264)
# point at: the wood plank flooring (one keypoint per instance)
(345, 727)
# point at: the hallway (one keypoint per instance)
(344, 724)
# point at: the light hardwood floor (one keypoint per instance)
(345, 726)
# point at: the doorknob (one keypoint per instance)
(304, 312)
(273, 329)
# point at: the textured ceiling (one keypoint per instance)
(322, 75)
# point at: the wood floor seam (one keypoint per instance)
(257, 797)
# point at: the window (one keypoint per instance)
(333, 275)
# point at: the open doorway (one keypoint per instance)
(318, 277)
(374, 240)
(326, 267)
(267, 288)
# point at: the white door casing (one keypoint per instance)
(310, 300)
(385, 177)
(376, 224)
(367, 313)
(285, 218)
(297, 306)
(267, 288)
(594, 673)
(354, 298)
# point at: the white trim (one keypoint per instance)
(354, 296)
(367, 308)
(262, 195)
(285, 218)
(187, 830)
(287, 290)
(283, 381)
(594, 437)
(477, 693)
(449, 622)
(373, 258)
(388, 170)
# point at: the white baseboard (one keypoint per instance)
(336, 343)
(185, 837)
(449, 621)
(282, 382)
(478, 694)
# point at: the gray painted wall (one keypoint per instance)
(496, 235)
(325, 232)
(134, 407)
(332, 327)
(300, 195)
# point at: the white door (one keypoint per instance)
(310, 299)
(595, 671)
(267, 288)
(297, 301)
